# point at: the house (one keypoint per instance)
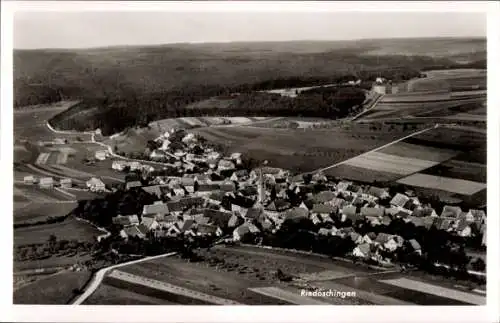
(323, 209)
(228, 186)
(149, 223)
(46, 182)
(186, 225)
(158, 155)
(372, 211)
(451, 211)
(362, 251)
(95, 185)
(342, 186)
(319, 177)
(415, 246)
(367, 238)
(326, 218)
(325, 232)
(378, 192)
(225, 165)
(173, 230)
(386, 220)
(165, 144)
(153, 190)
(354, 189)
(463, 228)
(119, 165)
(29, 180)
(134, 165)
(219, 218)
(443, 223)
(474, 215)
(399, 200)
(338, 202)
(387, 241)
(297, 213)
(348, 210)
(424, 212)
(278, 205)
(155, 209)
(66, 182)
(356, 237)
(130, 185)
(254, 213)
(483, 232)
(315, 219)
(243, 230)
(208, 229)
(126, 220)
(132, 231)
(235, 221)
(101, 154)
(374, 220)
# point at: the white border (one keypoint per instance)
(487, 313)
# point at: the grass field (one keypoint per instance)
(109, 295)
(300, 149)
(453, 185)
(39, 195)
(68, 229)
(200, 277)
(55, 289)
(41, 211)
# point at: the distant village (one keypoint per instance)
(212, 194)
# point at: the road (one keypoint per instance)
(378, 148)
(99, 276)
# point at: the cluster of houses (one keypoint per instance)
(227, 200)
(47, 182)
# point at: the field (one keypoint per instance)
(300, 149)
(242, 274)
(38, 195)
(55, 289)
(34, 212)
(69, 229)
(449, 162)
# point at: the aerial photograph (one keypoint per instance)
(249, 158)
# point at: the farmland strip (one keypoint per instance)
(169, 288)
(437, 290)
(443, 183)
(390, 163)
(404, 149)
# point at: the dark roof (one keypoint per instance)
(186, 225)
(249, 191)
(323, 208)
(371, 211)
(376, 191)
(155, 190)
(219, 218)
(207, 187)
(383, 237)
(206, 228)
(254, 213)
(133, 184)
(324, 196)
(156, 209)
(296, 213)
(349, 210)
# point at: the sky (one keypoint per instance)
(98, 29)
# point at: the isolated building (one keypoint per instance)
(66, 183)
(96, 185)
(29, 180)
(46, 182)
(101, 154)
(119, 165)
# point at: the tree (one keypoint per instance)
(478, 265)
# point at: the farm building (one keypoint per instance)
(66, 182)
(130, 185)
(30, 179)
(119, 165)
(46, 182)
(134, 165)
(101, 154)
(96, 185)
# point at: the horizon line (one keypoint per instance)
(198, 42)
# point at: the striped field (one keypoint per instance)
(454, 185)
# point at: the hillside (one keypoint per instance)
(117, 80)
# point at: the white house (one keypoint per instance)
(165, 144)
(119, 165)
(66, 182)
(46, 182)
(30, 179)
(101, 154)
(158, 154)
(362, 251)
(134, 165)
(95, 185)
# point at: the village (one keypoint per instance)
(200, 192)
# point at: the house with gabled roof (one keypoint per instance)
(362, 251)
(473, 215)
(372, 211)
(356, 237)
(132, 184)
(153, 190)
(326, 218)
(415, 246)
(338, 202)
(445, 224)
(387, 241)
(152, 210)
(208, 229)
(424, 212)
(378, 192)
(296, 213)
(126, 220)
(451, 211)
(323, 209)
(343, 185)
(463, 228)
(95, 185)
(243, 230)
(219, 218)
(150, 223)
(399, 200)
(132, 231)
